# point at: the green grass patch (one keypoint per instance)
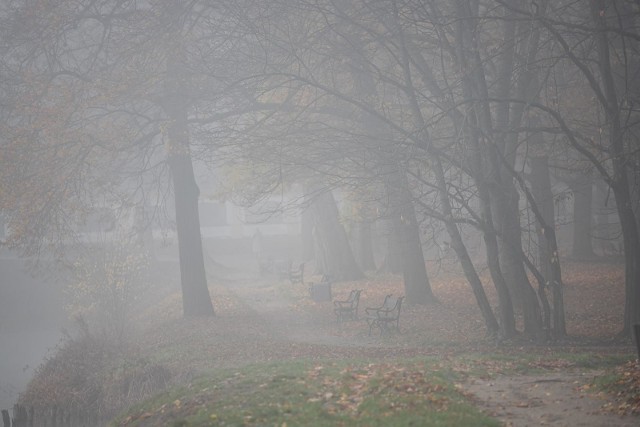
(415, 392)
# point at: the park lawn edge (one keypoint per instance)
(311, 392)
(346, 392)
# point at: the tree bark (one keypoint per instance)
(306, 234)
(619, 181)
(457, 243)
(498, 198)
(332, 239)
(363, 244)
(541, 190)
(196, 300)
(545, 223)
(405, 228)
(582, 210)
(391, 261)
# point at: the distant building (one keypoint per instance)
(227, 220)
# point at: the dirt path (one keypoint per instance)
(554, 399)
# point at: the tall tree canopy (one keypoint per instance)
(459, 113)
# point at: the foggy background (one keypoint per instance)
(32, 317)
(126, 124)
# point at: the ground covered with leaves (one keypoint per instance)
(273, 356)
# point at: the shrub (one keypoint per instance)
(97, 375)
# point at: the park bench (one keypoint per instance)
(296, 275)
(273, 266)
(283, 268)
(385, 317)
(348, 309)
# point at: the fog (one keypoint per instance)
(32, 318)
(379, 137)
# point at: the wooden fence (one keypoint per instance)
(53, 416)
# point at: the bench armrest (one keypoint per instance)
(342, 303)
(373, 310)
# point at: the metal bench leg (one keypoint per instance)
(384, 328)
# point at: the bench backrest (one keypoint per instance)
(354, 296)
(393, 305)
(388, 302)
(326, 278)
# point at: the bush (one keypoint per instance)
(97, 375)
(107, 281)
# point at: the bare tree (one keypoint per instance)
(121, 82)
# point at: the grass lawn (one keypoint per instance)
(303, 393)
(273, 357)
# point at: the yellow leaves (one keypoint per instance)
(625, 390)
(586, 387)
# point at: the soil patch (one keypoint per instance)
(550, 399)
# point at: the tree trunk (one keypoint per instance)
(619, 181)
(541, 190)
(363, 245)
(634, 179)
(405, 228)
(391, 260)
(631, 244)
(506, 209)
(196, 300)
(306, 234)
(542, 208)
(507, 318)
(506, 200)
(499, 199)
(457, 243)
(332, 239)
(582, 210)
(482, 175)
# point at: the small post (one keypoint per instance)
(19, 416)
(636, 337)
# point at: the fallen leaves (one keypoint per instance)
(625, 389)
(401, 385)
(260, 322)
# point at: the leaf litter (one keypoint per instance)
(262, 321)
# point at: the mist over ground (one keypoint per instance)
(181, 158)
(31, 321)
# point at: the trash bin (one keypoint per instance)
(320, 291)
